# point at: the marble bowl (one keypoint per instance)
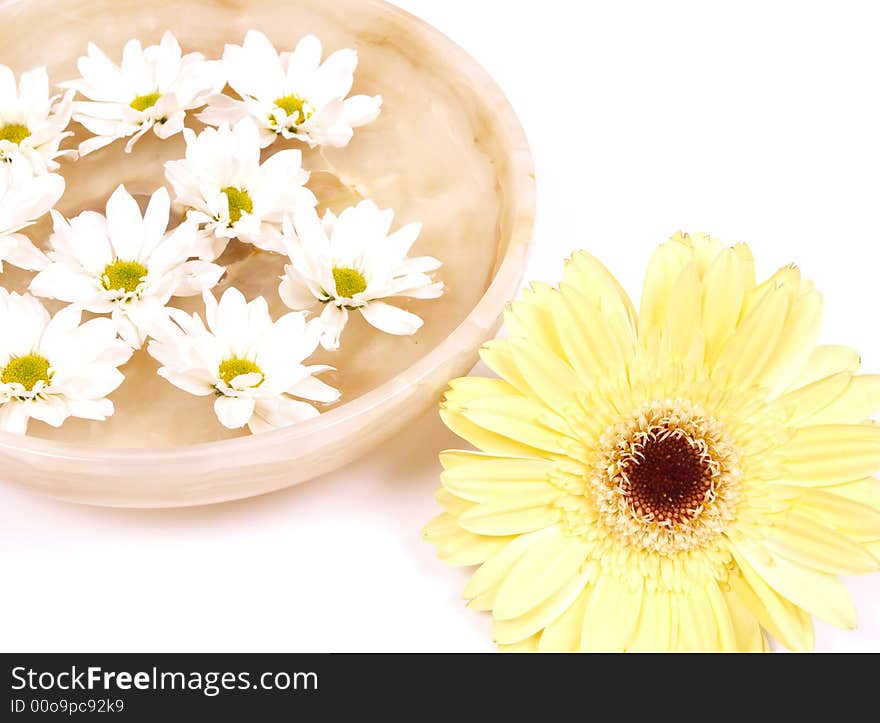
(447, 150)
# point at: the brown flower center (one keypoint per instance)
(667, 480)
(666, 477)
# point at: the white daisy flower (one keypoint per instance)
(33, 124)
(125, 264)
(349, 263)
(224, 187)
(52, 368)
(24, 198)
(293, 95)
(153, 88)
(251, 365)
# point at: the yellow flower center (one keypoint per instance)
(348, 282)
(293, 106)
(666, 478)
(142, 102)
(239, 202)
(232, 368)
(27, 371)
(123, 276)
(14, 132)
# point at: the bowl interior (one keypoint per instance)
(435, 155)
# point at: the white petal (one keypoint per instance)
(391, 319)
(362, 109)
(156, 219)
(125, 225)
(280, 412)
(334, 320)
(303, 61)
(19, 251)
(294, 292)
(234, 412)
(53, 411)
(60, 281)
(95, 409)
(94, 144)
(194, 382)
(314, 389)
(13, 416)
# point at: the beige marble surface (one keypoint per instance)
(447, 150)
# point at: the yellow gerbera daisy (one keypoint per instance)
(685, 479)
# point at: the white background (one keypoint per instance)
(755, 121)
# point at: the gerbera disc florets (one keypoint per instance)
(666, 478)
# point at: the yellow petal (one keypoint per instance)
(851, 517)
(540, 616)
(747, 629)
(721, 311)
(705, 248)
(464, 390)
(498, 356)
(827, 454)
(486, 579)
(531, 318)
(520, 419)
(825, 361)
(664, 269)
(587, 274)
(724, 627)
(816, 592)
(857, 403)
(543, 570)
(563, 634)
(752, 344)
(784, 620)
(655, 631)
(610, 616)
(451, 503)
(456, 546)
(512, 515)
(592, 343)
(801, 405)
(796, 342)
(864, 491)
(682, 318)
(529, 645)
(698, 626)
(483, 478)
(551, 378)
(747, 262)
(805, 542)
(484, 439)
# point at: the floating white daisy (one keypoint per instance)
(32, 123)
(349, 263)
(249, 363)
(24, 198)
(52, 368)
(152, 89)
(125, 264)
(226, 189)
(293, 95)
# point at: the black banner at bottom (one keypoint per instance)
(269, 687)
